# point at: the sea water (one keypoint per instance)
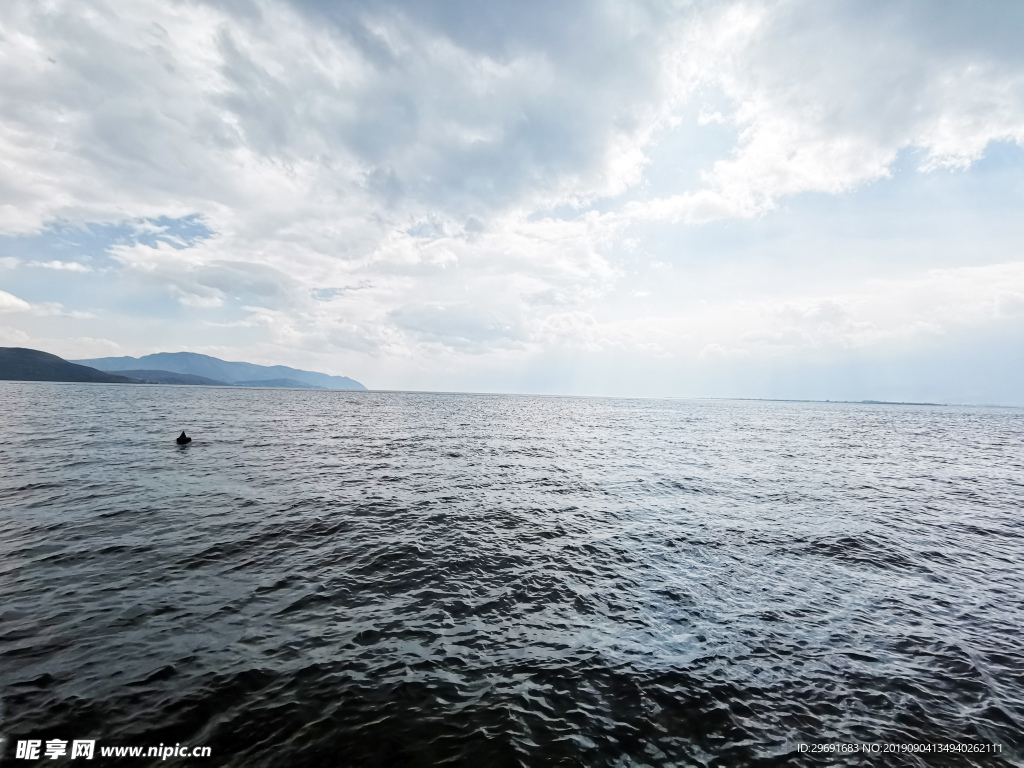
(367, 578)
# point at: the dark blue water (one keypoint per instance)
(331, 578)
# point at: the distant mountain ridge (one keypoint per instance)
(167, 377)
(20, 364)
(245, 374)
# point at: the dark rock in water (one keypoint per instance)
(183, 439)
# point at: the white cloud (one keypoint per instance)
(75, 347)
(330, 128)
(65, 266)
(11, 303)
(824, 99)
(14, 337)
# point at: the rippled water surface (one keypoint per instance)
(332, 578)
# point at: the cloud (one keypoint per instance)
(65, 266)
(14, 337)
(287, 108)
(198, 278)
(825, 99)
(66, 347)
(460, 326)
(11, 303)
(306, 120)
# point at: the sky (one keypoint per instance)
(789, 199)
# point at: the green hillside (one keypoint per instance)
(18, 364)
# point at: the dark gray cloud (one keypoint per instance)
(473, 106)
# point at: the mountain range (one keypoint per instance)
(188, 368)
(222, 371)
(20, 364)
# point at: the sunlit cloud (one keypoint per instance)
(11, 303)
(66, 266)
